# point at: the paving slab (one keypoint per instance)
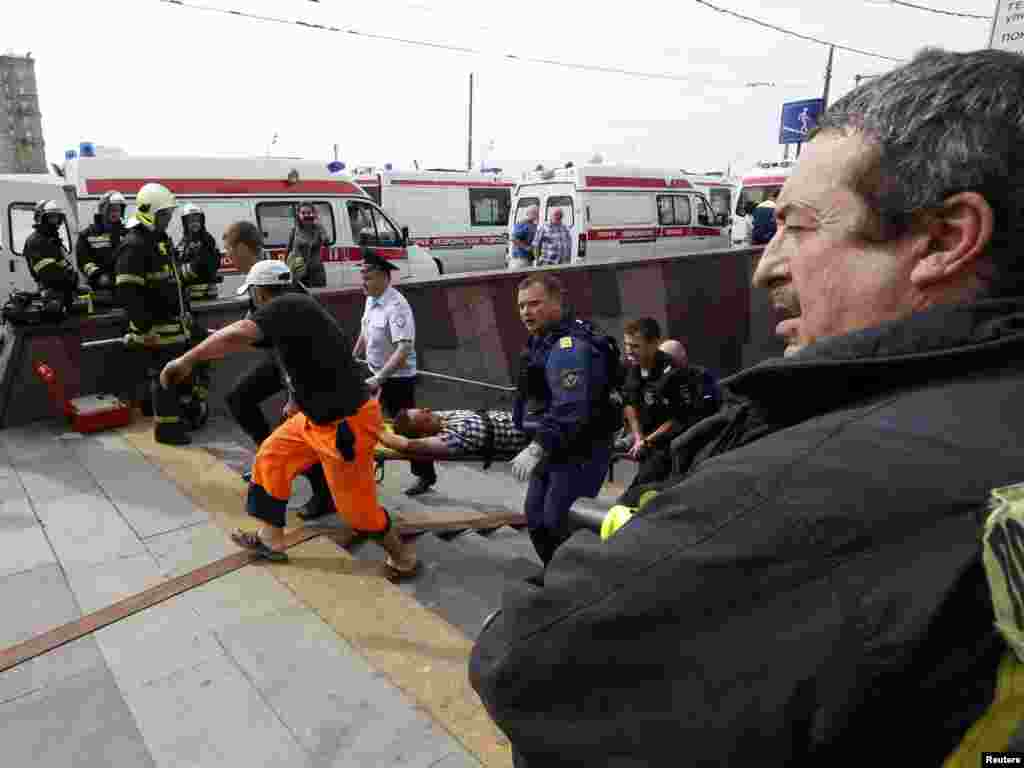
(52, 477)
(340, 710)
(86, 528)
(79, 721)
(147, 645)
(145, 497)
(210, 715)
(240, 596)
(178, 552)
(33, 602)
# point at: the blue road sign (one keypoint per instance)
(798, 120)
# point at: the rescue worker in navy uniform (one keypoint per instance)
(149, 288)
(663, 399)
(198, 257)
(48, 260)
(97, 245)
(563, 403)
(304, 246)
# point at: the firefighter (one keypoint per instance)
(198, 256)
(304, 246)
(149, 287)
(49, 261)
(97, 244)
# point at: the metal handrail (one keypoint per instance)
(446, 377)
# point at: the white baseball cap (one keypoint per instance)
(266, 272)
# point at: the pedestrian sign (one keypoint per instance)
(798, 120)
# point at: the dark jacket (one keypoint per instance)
(96, 251)
(811, 591)
(304, 260)
(199, 259)
(48, 260)
(147, 286)
(563, 395)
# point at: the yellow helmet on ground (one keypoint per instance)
(152, 199)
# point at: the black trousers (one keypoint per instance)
(256, 385)
(398, 393)
(654, 467)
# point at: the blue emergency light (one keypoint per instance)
(387, 166)
(87, 149)
(70, 154)
(335, 166)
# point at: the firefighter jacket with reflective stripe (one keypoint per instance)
(96, 250)
(48, 261)
(147, 286)
(199, 260)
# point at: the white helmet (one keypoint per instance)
(266, 272)
(113, 197)
(150, 200)
(49, 207)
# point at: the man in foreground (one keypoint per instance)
(331, 418)
(813, 589)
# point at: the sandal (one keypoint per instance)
(395, 572)
(252, 542)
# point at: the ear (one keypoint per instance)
(958, 236)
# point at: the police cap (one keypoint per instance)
(373, 260)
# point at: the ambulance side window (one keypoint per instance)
(703, 216)
(489, 207)
(387, 235)
(523, 205)
(277, 219)
(565, 203)
(20, 218)
(673, 210)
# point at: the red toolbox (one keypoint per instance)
(91, 413)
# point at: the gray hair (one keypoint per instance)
(942, 124)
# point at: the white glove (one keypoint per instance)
(527, 461)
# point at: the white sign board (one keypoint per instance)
(1008, 26)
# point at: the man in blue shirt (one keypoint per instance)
(763, 218)
(522, 240)
(563, 405)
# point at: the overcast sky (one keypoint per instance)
(155, 78)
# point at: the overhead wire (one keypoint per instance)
(477, 52)
(917, 7)
(792, 33)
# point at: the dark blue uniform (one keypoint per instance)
(563, 404)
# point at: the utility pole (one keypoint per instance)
(469, 149)
(828, 77)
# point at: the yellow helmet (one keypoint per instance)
(152, 199)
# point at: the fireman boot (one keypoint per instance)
(168, 424)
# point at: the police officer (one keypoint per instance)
(198, 256)
(48, 259)
(388, 337)
(149, 287)
(307, 239)
(98, 243)
(563, 402)
(663, 399)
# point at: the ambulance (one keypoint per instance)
(621, 212)
(19, 194)
(461, 216)
(755, 186)
(265, 191)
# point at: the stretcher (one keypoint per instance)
(382, 454)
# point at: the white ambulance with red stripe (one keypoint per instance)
(620, 212)
(755, 186)
(265, 191)
(461, 216)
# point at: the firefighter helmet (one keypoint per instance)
(191, 209)
(151, 200)
(113, 197)
(50, 213)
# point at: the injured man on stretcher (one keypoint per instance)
(459, 434)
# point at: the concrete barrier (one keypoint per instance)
(467, 326)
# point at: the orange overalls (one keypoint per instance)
(299, 443)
